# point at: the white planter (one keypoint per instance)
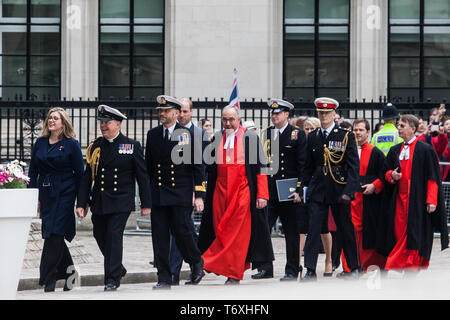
(17, 208)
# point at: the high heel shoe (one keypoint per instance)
(329, 274)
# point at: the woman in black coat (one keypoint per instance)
(56, 168)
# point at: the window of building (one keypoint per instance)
(30, 53)
(131, 63)
(419, 50)
(316, 49)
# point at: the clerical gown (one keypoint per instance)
(409, 227)
(365, 209)
(231, 211)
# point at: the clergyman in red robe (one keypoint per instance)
(234, 230)
(416, 206)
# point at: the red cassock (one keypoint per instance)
(368, 257)
(227, 255)
(401, 257)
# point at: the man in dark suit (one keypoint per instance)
(113, 162)
(177, 184)
(185, 119)
(285, 146)
(331, 177)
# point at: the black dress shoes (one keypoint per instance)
(197, 272)
(175, 280)
(353, 275)
(231, 281)
(161, 286)
(110, 286)
(289, 277)
(309, 276)
(263, 274)
(50, 287)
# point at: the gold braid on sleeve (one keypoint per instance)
(93, 159)
(332, 157)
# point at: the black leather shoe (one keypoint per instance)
(342, 274)
(110, 287)
(124, 272)
(231, 281)
(197, 272)
(288, 277)
(161, 286)
(300, 271)
(67, 287)
(353, 275)
(263, 274)
(309, 276)
(50, 287)
(175, 280)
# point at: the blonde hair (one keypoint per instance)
(312, 121)
(68, 131)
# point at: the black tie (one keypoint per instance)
(166, 135)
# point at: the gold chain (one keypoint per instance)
(329, 156)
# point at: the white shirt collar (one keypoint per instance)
(112, 140)
(328, 130)
(170, 129)
(412, 140)
(189, 125)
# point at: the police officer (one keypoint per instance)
(174, 184)
(287, 163)
(331, 178)
(388, 136)
(113, 162)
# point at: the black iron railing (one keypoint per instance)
(21, 121)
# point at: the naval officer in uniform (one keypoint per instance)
(291, 159)
(331, 177)
(176, 187)
(114, 163)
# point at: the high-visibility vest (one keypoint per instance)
(386, 138)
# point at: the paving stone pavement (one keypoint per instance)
(138, 252)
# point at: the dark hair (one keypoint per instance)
(346, 125)
(377, 127)
(366, 123)
(203, 121)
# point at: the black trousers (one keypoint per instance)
(176, 258)
(55, 260)
(288, 213)
(345, 233)
(108, 232)
(172, 220)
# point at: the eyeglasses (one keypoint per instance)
(225, 120)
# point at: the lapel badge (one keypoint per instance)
(61, 147)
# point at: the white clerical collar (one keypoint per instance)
(112, 140)
(404, 155)
(229, 143)
(170, 130)
(411, 141)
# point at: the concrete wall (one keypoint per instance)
(207, 39)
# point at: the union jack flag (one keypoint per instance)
(234, 97)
